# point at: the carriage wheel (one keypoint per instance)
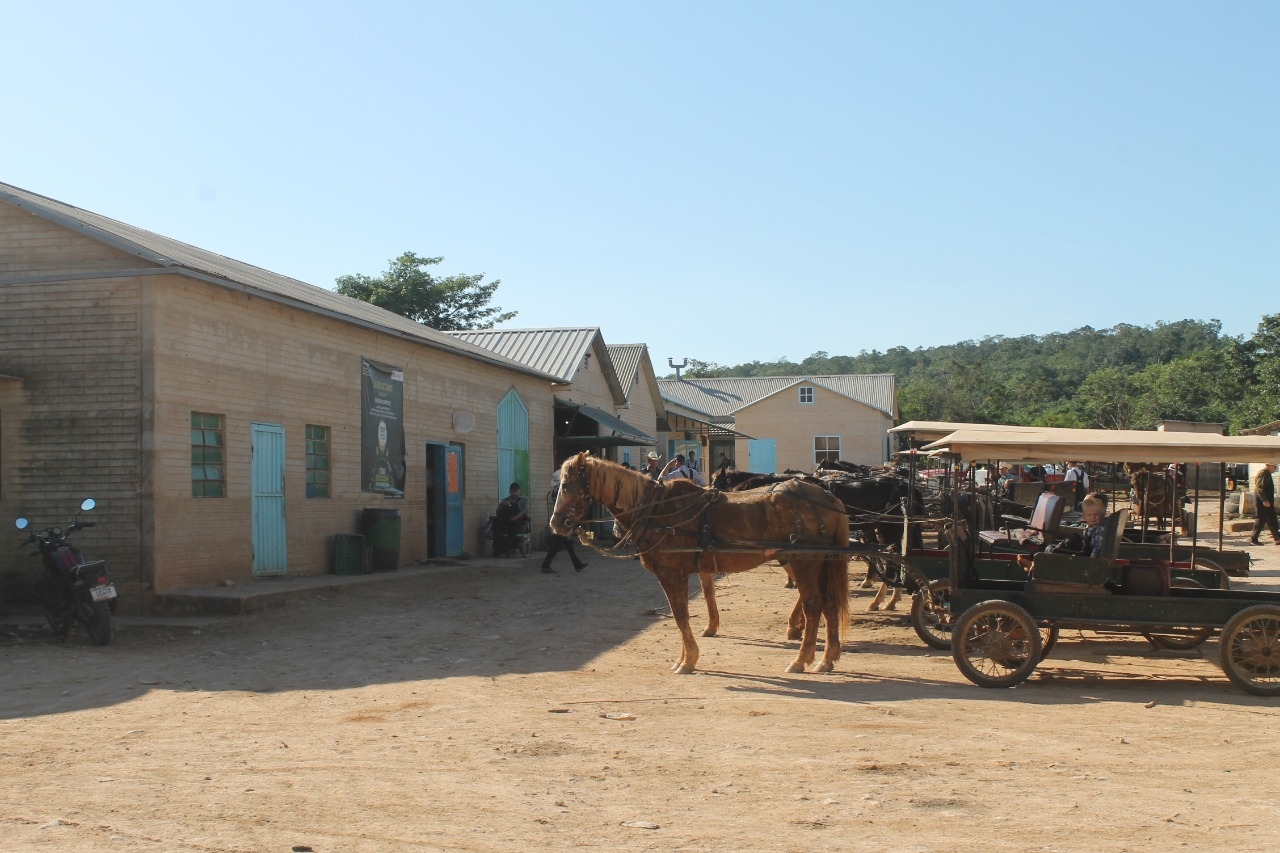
(1250, 649)
(1179, 638)
(996, 644)
(931, 614)
(1048, 638)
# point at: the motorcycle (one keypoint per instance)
(71, 588)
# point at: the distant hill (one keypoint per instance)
(1125, 377)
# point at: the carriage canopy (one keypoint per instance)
(1038, 444)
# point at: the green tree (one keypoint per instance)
(408, 288)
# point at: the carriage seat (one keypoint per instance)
(1076, 574)
(1046, 518)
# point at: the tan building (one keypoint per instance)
(227, 419)
(789, 421)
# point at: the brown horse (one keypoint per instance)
(680, 529)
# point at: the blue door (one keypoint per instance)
(267, 476)
(762, 455)
(454, 491)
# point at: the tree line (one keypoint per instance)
(1124, 377)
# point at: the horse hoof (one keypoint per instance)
(795, 634)
(710, 632)
(796, 666)
(824, 666)
(680, 669)
(891, 607)
(871, 608)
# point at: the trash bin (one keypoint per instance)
(381, 529)
(348, 554)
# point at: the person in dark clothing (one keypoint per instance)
(557, 543)
(1264, 499)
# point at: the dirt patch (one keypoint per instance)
(495, 708)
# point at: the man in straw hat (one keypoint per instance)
(653, 465)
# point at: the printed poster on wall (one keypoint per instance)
(382, 429)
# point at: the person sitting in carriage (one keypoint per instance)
(510, 522)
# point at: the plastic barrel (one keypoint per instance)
(381, 529)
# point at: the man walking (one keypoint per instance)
(1264, 504)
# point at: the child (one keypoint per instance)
(1093, 511)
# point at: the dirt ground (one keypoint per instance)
(491, 707)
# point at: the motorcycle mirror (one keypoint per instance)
(21, 524)
(89, 503)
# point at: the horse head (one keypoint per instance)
(574, 498)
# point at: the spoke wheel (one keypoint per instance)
(1048, 639)
(931, 614)
(1250, 650)
(996, 644)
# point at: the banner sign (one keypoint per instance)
(382, 429)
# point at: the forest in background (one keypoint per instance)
(1124, 377)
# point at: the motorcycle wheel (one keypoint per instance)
(99, 624)
(55, 612)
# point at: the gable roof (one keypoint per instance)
(558, 352)
(164, 255)
(726, 397)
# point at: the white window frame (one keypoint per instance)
(825, 452)
(803, 394)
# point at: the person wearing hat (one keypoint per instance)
(653, 465)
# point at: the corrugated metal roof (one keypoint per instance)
(626, 361)
(555, 351)
(184, 259)
(559, 352)
(723, 397)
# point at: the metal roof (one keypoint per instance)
(626, 363)
(180, 258)
(722, 397)
(558, 352)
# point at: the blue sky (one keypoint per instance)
(722, 181)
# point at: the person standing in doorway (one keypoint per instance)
(1264, 500)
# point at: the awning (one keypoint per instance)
(1101, 445)
(624, 434)
(677, 422)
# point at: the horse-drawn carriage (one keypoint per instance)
(1005, 621)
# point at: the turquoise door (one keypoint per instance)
(268, 500)
(762, 455)
(454, 491)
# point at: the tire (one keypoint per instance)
(99, 624)
(1048, 639)
(931, 615)
(1250, 650)
(1178, 637)
(996, 644)
(58, 616)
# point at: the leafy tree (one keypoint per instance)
(408, 288)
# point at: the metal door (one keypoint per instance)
(269, 545)
(454, 491)
(762, 455)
